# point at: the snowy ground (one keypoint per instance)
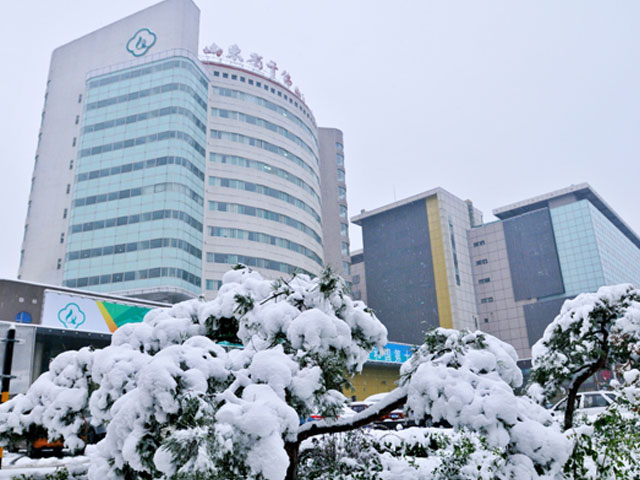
(14, 464)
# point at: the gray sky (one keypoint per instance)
(496, 101)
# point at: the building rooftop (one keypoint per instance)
(582, 191)
(366, 214)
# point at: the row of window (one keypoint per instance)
(264, 190)
(135, 166)
(263, 102)
(134, 142)
(138, 218)
(134, 247)
(141, 117)
(213, 284)
(256, 142)
(261, 122)
(267, 88)
(153, 68)
(138, 191)
(265, 168)
(159, 272)
(264, 238)
(258, 262)
(149, 92)
(266, 214)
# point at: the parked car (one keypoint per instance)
(346, 412)
(590, 404)
(389, 420)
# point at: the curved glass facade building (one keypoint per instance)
(157, 171)
(263, 189)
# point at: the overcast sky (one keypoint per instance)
(496, 101)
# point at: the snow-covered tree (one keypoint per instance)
(592, 332)
(218, 389)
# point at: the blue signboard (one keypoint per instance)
(395, 353)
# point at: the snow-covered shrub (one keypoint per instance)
(468, 379)
(343, 456)
(218, 389)
(592, 332)
(55, 406)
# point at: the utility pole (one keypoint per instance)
(6, 370)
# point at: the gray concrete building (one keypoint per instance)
(519, 269)
(417, 264)
(358, 276)
(335, 212)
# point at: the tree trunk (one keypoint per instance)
(573, 391)
(292, 449)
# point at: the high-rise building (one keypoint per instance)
(418, 265)
(157, 170)
(543, 251)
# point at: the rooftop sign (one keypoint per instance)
(254, 63)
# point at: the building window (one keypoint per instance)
(68, 188)
(355, 279)
(59, 264)
(343, 211)
(24, 235)
(216, 73)
(342, 193)
(71, 164)
(346, 268)
(340, 159)
(234, 77)
(478, 244)
(225, 75)
(77, 119)
(481, 261)
(487, 300)
(21, 258)
(345, 249)
(484, 280)
(80, 98)
(62, 237)
(339, 146)
(64, 213)
(73, 144)
(340, 175)
(209, 284)
(344, 229)
(486, 320)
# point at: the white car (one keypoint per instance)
(590, 404)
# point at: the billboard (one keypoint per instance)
(88, 314)
(394, 353)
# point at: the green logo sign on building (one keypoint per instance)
(141, 42)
